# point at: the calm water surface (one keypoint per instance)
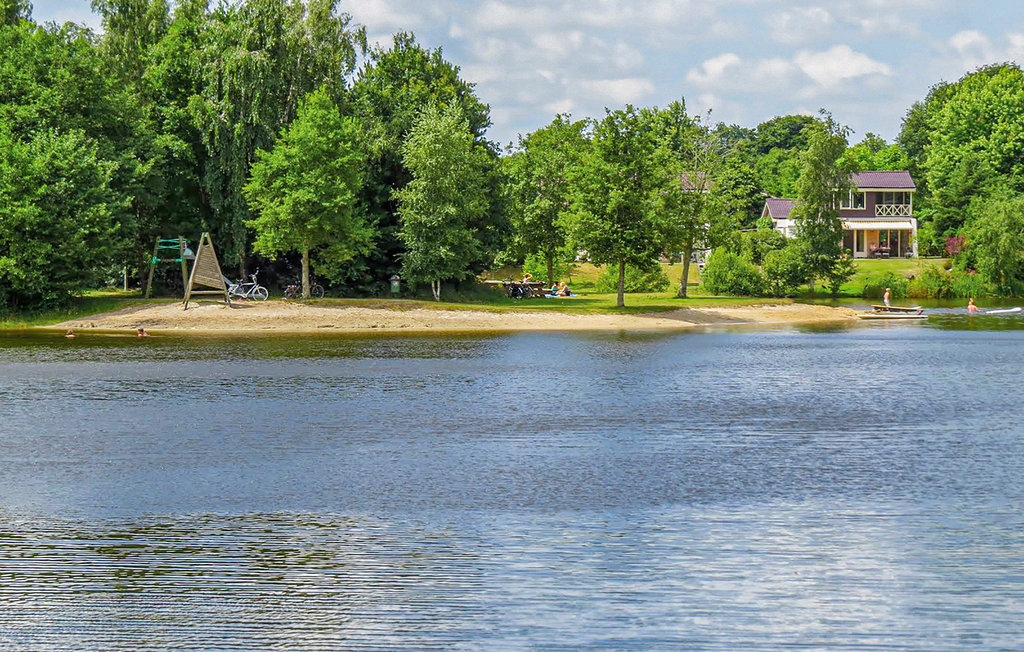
(858, 488)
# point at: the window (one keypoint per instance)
(854, 200)
(890, 198)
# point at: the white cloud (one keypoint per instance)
(799, 25)
(838, 64)
(616, 92)
(711, 70)
(385, 14)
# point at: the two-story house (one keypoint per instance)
(877, 214)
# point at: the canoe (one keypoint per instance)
(884, 308)
(891, 315)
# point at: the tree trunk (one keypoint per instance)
(305, 273)
(551, 269)
(622, 283)
(435, 287)
(810, 284)
(687, 253)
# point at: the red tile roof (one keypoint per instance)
(883, 179)
(779, 209)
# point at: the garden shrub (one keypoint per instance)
(637, 280)
(933, 283)
(898, 287)
(727, 273)
(970, 284)
(755, 245)
(784, 270)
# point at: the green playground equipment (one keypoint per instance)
(161, 248)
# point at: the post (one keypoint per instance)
(184, 264)
(152, 266)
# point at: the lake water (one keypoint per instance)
(857, 487)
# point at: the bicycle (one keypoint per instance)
(248, 290)
(516, 290)
(294, 290)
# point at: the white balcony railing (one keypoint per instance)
(892, 210)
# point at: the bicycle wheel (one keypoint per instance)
(316, 291)
(260, 293)
(289, 292)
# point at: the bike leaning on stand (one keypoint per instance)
(294, 290)
(247, 289)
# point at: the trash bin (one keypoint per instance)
(396, 282)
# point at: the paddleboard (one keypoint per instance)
(1004, 311)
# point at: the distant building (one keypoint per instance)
(878, 215)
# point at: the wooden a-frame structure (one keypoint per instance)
(206, 273)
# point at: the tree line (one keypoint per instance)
(272, 125)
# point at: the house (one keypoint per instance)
(877, 214)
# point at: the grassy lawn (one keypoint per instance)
(871, 271)
(584, 276)
(586, 304)
(93, 302)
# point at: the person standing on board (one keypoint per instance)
(971, 308)
(885, 297)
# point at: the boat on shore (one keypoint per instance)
(894, 312)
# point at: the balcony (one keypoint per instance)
(893, 210)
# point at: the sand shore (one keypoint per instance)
(292, 316)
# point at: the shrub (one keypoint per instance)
(784, 270)
(898, 287)
(654, 280)
(954, 245)
(537, 265)
(842, 270)
(755, 245)
(727, 273)
(933, 283)
(970, 284)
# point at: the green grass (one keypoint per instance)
(92, 303)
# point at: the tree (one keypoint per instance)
(14, 11)
(540, 195)
(995, 232)
(784, 132)
(690, 207)
(58, 217)
(444, 207)
(305, 190)
(614, 207)
(390, 91)
(873, 153)
(256, 60)
(823, 179)
(785, 269)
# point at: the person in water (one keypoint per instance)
(70, 333)
(885, 297)
(971, 308)
(141, 332)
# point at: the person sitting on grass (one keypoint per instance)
(563, 290)
(554, 289)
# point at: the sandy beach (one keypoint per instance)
(299, 317)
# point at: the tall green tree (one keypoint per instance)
(995, 232)
(615, 204)
(58, 217)
(14, 11)
(444, 207)
(391, 89)
(539, 186)
(305, 190)
(690, 207)
(257, 59)
(823, 179)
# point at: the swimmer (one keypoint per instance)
(70, 334)
(971, 308)
(141, 332)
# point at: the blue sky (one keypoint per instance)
(866, 61)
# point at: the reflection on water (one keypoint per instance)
(824, 489)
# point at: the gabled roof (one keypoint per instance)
(883, 180)
(779, 209)
(692, 181)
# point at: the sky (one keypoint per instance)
(865, 61)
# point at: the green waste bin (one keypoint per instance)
(396, 282)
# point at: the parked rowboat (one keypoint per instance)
(883, 308)
(891, 315)
(894, 312)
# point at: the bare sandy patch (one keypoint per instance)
(299, 317)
